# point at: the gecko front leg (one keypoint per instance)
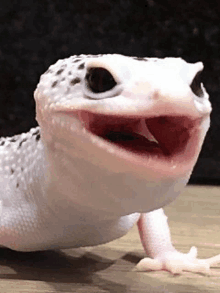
(156, 240)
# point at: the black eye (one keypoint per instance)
(99, 80)
(196, 85)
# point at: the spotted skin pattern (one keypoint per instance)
(61, 186)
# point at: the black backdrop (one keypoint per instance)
(34, 34)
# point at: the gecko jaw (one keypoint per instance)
(164, 137)
(161, 143)
(128, 133)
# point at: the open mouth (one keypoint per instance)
(163, 137)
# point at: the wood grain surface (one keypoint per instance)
(194, 219)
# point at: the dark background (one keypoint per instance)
(34, 34)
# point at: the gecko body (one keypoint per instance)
(117, 140)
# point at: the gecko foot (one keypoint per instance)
(177, 262)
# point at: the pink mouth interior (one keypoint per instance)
(171, 132)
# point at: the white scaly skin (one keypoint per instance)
(63, 186)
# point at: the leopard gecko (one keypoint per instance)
(117, 140)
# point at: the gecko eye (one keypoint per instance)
(99, 80)
(196, 85)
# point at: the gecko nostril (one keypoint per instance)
(99, 80)
(196, 85)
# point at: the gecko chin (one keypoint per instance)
(161, 143)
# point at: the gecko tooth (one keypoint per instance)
(144, 130)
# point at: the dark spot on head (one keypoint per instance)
(76, 60)
(69, 72)
(54, 83)
(20, 144)
(22, 169)
(81, 66)
(36, 132)
(17, 185)
(38, 137)
(59, 71)
(48, 71)
(63, 79)
(140, 58)
(75, 81)
(2, 142)
(12, 140)
(12, 170)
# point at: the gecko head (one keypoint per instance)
(126, 117)
(148, 115)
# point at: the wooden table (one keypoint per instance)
(194, 219)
